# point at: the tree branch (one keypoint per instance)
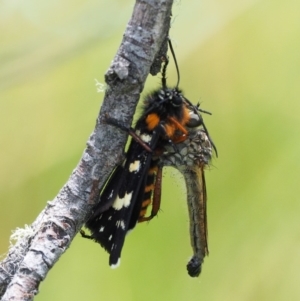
(39, 246)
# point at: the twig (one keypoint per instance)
(37, 249)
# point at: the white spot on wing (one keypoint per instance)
(119, 203)
(135, 166)
(101, 229)
(146, 137)
(114, 266)
(111, 194)
(110, 237)
(120, 224)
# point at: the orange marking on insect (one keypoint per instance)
(186, 116)
(152, 170)
(155, 201)
(152, 121)
(179, 138)
(149, 188)
(146, 203)
(142, 213)
(170, 130)
(178, 125)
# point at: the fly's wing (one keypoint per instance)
(123, 193)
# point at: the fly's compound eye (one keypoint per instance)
(195, 120)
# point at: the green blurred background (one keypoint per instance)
(241, 60)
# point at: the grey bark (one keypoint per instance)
(48, 237)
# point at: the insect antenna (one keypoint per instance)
(196, 108)
(175, 61)
(164, 69)
(164, 72)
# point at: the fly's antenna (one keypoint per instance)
(164, 69)
(175, 61)
(164, 72)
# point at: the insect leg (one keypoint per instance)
(129, 130)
